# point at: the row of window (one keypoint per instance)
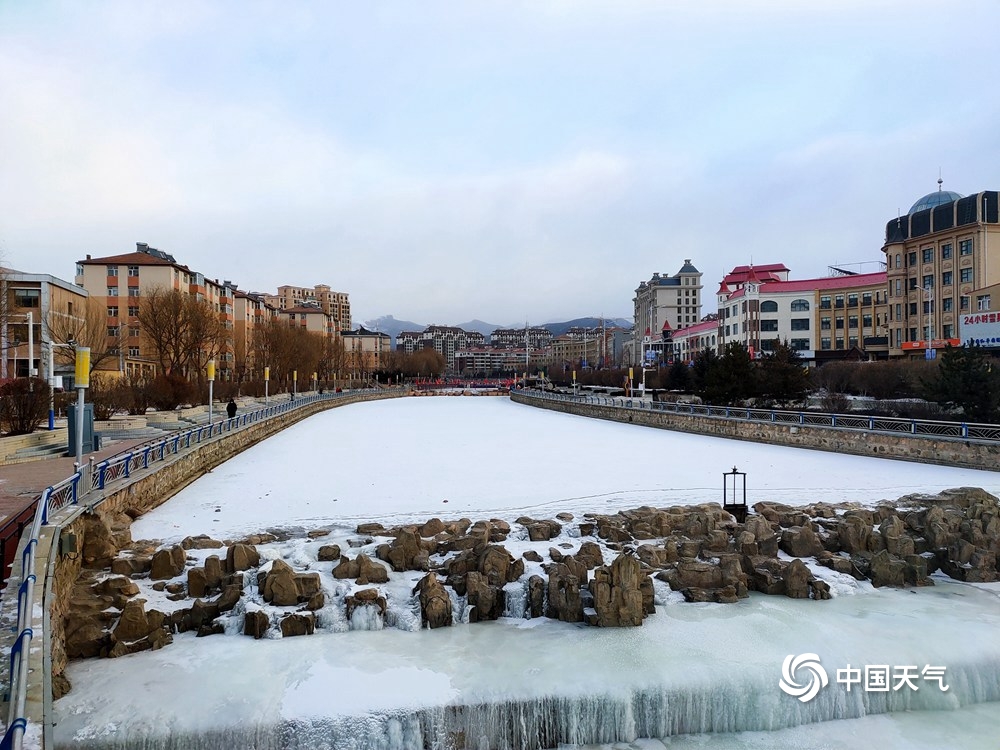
(133, 291)
(796, 324)
(799, 345)
(798, 305)
(826, 324)
(133, 271)
(826, 302)
(965, 276)
(927, 253)
(133, 311)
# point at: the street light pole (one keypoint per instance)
(82, 383)
(211, 382)
(267, 378)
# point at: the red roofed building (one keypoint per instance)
(660, 302)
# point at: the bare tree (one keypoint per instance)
(182, 331)
(89, 329)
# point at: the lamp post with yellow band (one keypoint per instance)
(211, 383)
(267, 378)
(295, 383)
(82, 382)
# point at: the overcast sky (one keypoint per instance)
(503, 160)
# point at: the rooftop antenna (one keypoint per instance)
(940, 181)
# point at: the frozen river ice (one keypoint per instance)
(689, 670)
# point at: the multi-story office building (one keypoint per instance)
(335, 304)
(120, 281)
(487, 362)
(664, 303)
(52, 305)
(938, 256)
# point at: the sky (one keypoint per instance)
(515, 160)
(342, 687)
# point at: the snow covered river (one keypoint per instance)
(691, 669)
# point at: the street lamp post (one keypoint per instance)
(211, 382)
(267, 378)
(295, 383)
(82, 383)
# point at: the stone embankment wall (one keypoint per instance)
(944, 451)
(97, 525)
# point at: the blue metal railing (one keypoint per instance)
(117, 469)
(921, 428)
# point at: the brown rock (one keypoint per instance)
(536, 596)
(98, 544)
(241, 557)
(297, 624)
(800, 541)
(618, 599)
(532, 556)
(279, 586)
(370, 571)
(317, 533)
(201, 541)
(347, 568)
(405, 552)
(132, 565)
(328, 553)
(167, 563)
(213, 572)
(565, 602)
(230, 596)
(432, 527)
(256, 624)
(196, 585)
(796, 576)
(133, 623)
(590, 555)
(435, 604)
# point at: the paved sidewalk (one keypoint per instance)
(21, 484)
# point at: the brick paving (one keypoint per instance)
(21, 484)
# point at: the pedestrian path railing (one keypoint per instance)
(106, 475)
(989, 433)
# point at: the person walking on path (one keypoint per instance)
(231, 409)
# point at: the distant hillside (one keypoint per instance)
(389, 325)
(477, 325)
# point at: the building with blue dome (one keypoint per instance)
(942, 258)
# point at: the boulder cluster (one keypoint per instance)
(599, 570)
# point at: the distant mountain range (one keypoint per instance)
(392, 327)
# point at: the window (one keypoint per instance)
(824, 303)
(899, 311)
(946, 251)
(840, 324)
(946, 278)
(852, 341)
(983, 302)
(133, 271)
(133, 311)
(899, 287)
(27, 297)
(767, 345)
(852, 299)
(898, 259)
(133, 351)
(112, 330)
(947, 304)
(79, 269)
(928, 282)
(769, 306)
(800, 305)
(838, 300)
(866, 320)
(913, 334)
(112, 291)
(913, 283)
(133, 291)
(825, 343)
(866, 298)
(112, 270)
(769, 326)
(928, 255)
(965, 247)
(948, 331)
(840, 343)
(913, 308)
(800, 324)
(911, 259)
(899, 336)
(112, 312)
(799, 345)
(852, 321)
(133, 331)
(966, 275)
(824, 324)
(965, 303)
